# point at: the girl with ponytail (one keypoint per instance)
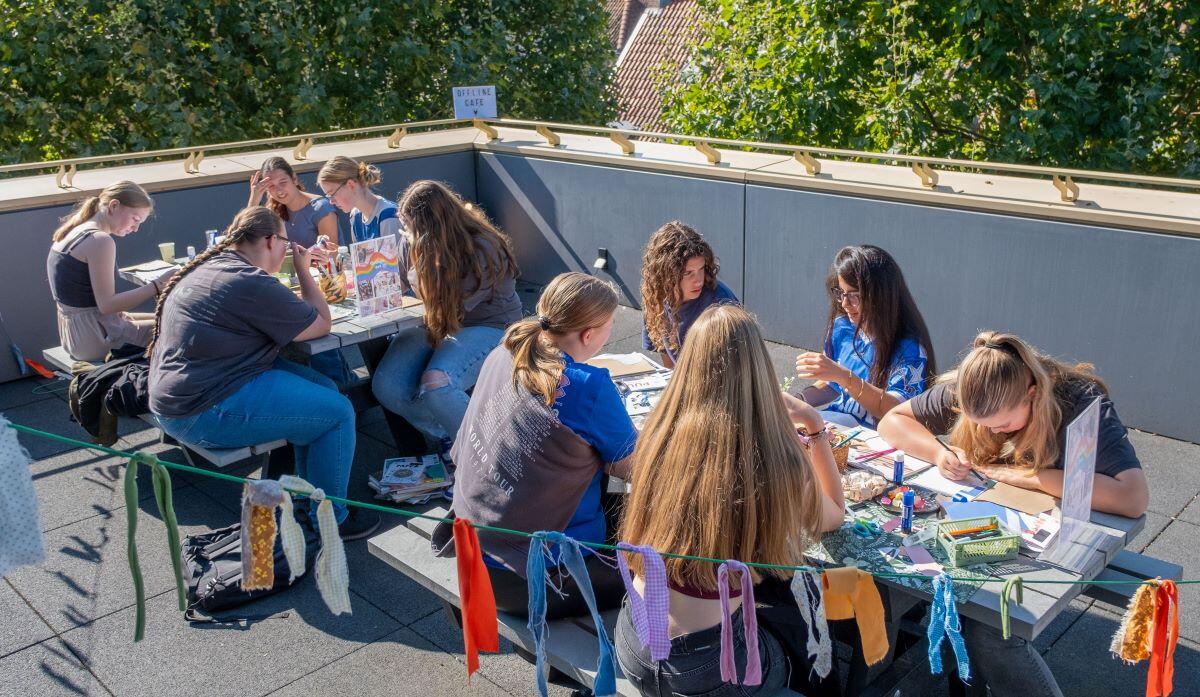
(347, 185)
(1006, 408)
(216, 378)
(464, 269)
(541, 430)
(306, 216)
(92, 317)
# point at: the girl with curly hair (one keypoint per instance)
(679, 281)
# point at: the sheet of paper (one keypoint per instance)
(156, 265)
(956, 510)
(1024, 500)
(933, 480)
(620, 365)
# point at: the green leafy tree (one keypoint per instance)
(91, 77)
(1102, 84)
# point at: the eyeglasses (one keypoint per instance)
(851, 298)
(335, 191)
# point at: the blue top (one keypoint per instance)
(689, 311)
(857, 354)
(385, 221)
(302, 224)
(588, 403)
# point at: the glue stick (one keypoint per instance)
(898, 467)
(906, 513)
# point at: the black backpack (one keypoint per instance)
(212, 568)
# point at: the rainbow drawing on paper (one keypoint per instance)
(377, 275)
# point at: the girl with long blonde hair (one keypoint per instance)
(720, 472)
(93, 318)
(679, 281)
(542, 429)
(1006, 409)
(464, 270)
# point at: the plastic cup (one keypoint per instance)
(167, 251)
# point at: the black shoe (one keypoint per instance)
(358, 524)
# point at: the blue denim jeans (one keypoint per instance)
(402, 386)
(289, 402)
(694, 666)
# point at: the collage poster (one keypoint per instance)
(377, 275)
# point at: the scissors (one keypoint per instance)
(866, 528)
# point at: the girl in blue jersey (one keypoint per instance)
(347, 183)
(877, 349)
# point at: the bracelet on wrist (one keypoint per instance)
(807, 439)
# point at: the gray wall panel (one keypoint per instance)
(181, 216)
(558, 213)
(1111, 297)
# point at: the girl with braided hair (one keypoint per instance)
(216, 378)
(463, 268)
(93, 317)
(679, 281)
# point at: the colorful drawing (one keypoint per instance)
(1076, 540)
(377, 275)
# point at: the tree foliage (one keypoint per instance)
(1103, 84)
(86, 77)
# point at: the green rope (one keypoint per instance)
(135, 568)
(505, 531)
(1017, 583)
(161, 480)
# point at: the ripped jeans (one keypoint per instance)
(428, 386)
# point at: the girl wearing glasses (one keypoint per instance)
(877, 349)
(347, 184)
(307, 217)
(679, 281)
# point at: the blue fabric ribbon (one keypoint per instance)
(535, 571)
(944, 624)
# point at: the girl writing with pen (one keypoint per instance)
(1006, 408)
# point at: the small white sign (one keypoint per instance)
(475, 102)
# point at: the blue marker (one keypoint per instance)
(898, 467)
(907, 512)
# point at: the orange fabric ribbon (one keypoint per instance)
(479, 623)
(1166, 635)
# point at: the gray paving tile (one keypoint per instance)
(386, 588)
(1171, 469)
(81, 483)
(1083, 666)
(1192, 513)
(20, 627)
(48, 668)
(1155, 524)
(54, 416)
(20, 392)
(1178, 544)
(506, 669)
(249, 657)
(626, 324)
(387, 668)
(86, 572)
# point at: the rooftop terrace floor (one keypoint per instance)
(66, 627)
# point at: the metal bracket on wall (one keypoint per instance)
(811, 164)
(397, 135)
(191, 164)
(490, 132)
(622, 140)
(300, 152)
(714, 157)
(1067, 189)
(551, 137)
(65, 176)
(929, 178)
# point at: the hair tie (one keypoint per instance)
(999, 347)
(543, 322)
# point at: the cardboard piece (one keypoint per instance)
(1018, 499)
